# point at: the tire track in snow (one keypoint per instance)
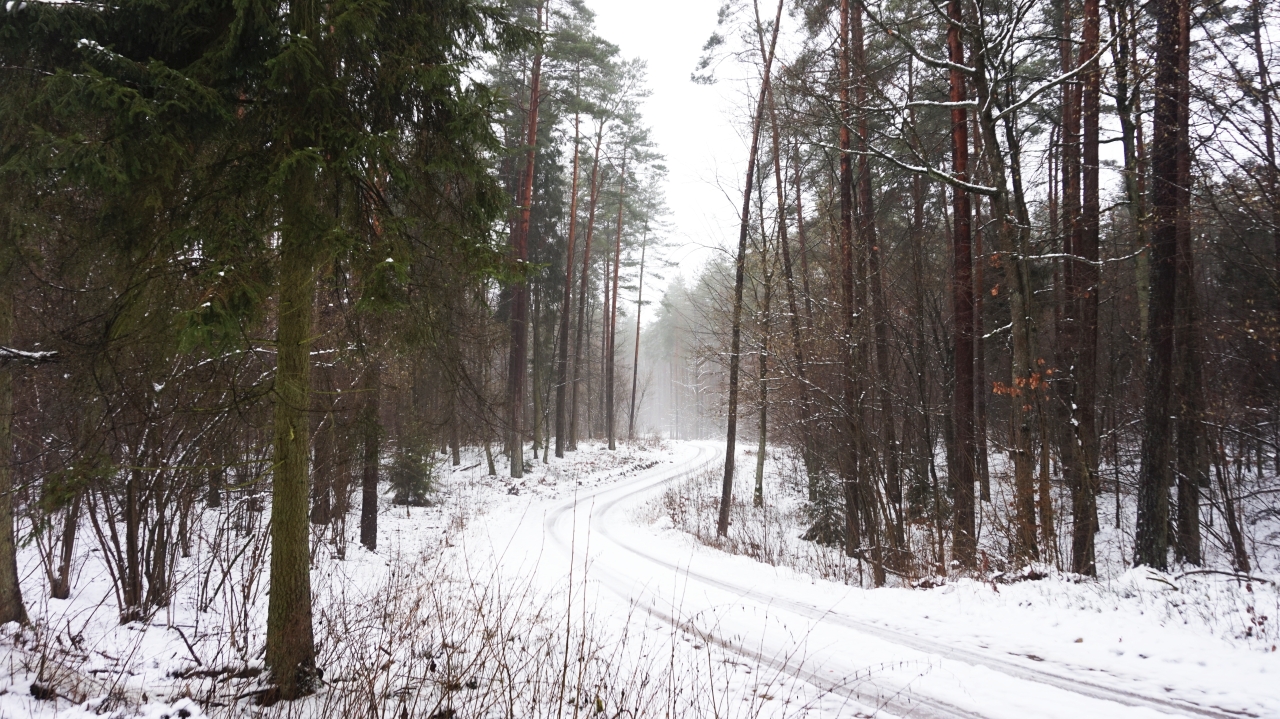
(605, 503)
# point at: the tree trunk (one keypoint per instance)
(849, 452)
(1011, 228)
(762, 428)
(11, 606)
(566, 304)
(455, 428)
(869, 253)
(369, 464)
(1069, 331)
(1269, 136)
(611, 331)
(290, 643)
(1192, 455)
(1151, 541)
(582, 326)
(60, 586)
(964, 540)
(735, 337)
(924, 450)
(516, 369)
(1085, 500)
(635, 361)
(980, 352)
(1239, 553)
(1123, 27)
(536, 370)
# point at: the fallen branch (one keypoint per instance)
(1233, 575)
(8, 354)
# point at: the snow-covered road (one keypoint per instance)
(823, 634)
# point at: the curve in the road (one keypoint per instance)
(606, 501)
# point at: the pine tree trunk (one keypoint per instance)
(1085, 501)
(1070, 332)
(566, 304)
(635, 360)
(1151, 541)
(1127, 78)
(611, 311)
(516, 368)
(585, 280)
(869, 275)
(964, 539)
(849, 452)
(924, 450)
(1191, 467)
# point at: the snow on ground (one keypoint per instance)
(79, 655)
(1203, 638)
(583, 588)
(459, 613)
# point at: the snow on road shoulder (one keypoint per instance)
(204, 644)
(1198, 637)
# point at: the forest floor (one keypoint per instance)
(592, 586)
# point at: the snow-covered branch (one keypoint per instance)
(8, 354)
(1047, 85)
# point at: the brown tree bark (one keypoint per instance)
(290, 647)
(60, 583)
(566, 305)
(868, 244)
(369, 465)
(582, 328)
(1191, 464)
(611, 311)
(516, 368)
(849, 458)
(964, 539)
(1151, 541)
(11, 606)
(1087, 278)
(735, 336)
(1069, 331)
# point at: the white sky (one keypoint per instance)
(705, 153)
(694, 127)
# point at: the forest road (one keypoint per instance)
(880, 670)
